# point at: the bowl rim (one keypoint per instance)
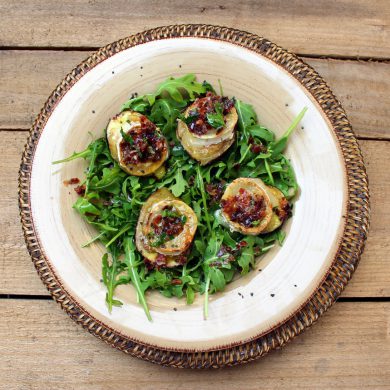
(350, 246)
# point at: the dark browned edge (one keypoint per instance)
(351, 244)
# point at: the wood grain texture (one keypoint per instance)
(346, 27)
(61, 355)
(372, 278)
(28, 77)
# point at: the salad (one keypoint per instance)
(186, 190)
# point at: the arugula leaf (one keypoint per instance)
(94, 147)
(217, 278)
(190, 295)
(128, 138)
(110, 273)
(216, 119)
(133, 273)
(261, 132)
(199, 180)
(84, 206)
(281, 143)
(180, 184)
(246, 258)
(246, 117)
(178, 89)
(110, 181)
(139, 104)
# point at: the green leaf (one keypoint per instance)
(281, 143)
(261, 132)
(110, 181)
(216, 119)
(246, 117)
(246, 258)
(84, 206)
(190, 295)
(180, 184)
(133, 273)
(181, 87)
(94, 147)
(139, 104)
(217, 278)
(109, 275)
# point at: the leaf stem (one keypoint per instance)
(124, 230)
(202, 191)
(294, 123)
(206, 297)
(133, 274)
(92, 240)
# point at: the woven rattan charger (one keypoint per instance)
(350, 247)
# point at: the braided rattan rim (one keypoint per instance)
(351, 244)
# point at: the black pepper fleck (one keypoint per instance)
(302, 127)
(141, 67)
(93, 111)
(175, 309)
(251, 294)
(272, 295)
(260, 269)
(179, 66)
(101, 280)
(295, 285)
(286, 104)
(141, 75)
(112, 72)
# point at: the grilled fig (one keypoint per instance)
(246, 206)
(136, 143)
(208, 127)
(165, 229)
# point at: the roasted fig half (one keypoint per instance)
(246, 206)
(165, 229)
(207, 130)
(281, 209)
(136, 143)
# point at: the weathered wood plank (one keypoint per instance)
(28, 77)
(347, 27)
(41, 348)
(18, 275)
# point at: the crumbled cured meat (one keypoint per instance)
(215, 190)
(80, 190)
(284, 210)
(197, 116)
(72, 181)
(244, 208)
(257, 148)
(147, 145)
(171, 225)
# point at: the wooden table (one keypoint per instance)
(347, 41)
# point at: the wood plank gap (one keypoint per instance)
(361, 299)
(26, 296)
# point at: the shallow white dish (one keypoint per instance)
(286, 277)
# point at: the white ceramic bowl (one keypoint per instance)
(250, 306)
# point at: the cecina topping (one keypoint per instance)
(136, 143)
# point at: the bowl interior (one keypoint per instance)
(289, 274)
